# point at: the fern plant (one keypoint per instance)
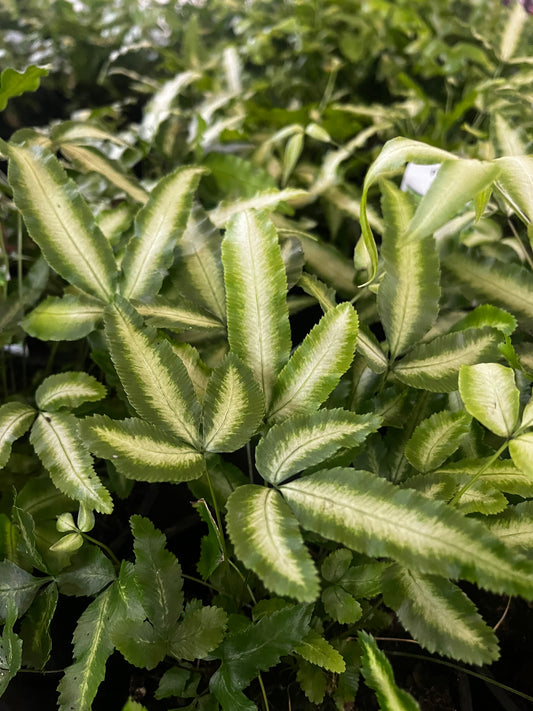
(370, 484)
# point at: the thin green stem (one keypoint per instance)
(107, 550)
(199, 581)
(250, 463)
(455, 500)
(241, 576)
(263, 691)
(217, 514)
(484, 678)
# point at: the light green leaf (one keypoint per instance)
(197, 273)
(10, 649)
(63, 319)
(514, 526)
(256, 288)
(158, 108)
(521, 451)
(490, 316)
(199, 632)
(233, 406)
(35, 628)
(317, 364)
(158, 574)
(409, 293)
(489, 393)
(54, 437)
(267, 200)
(92, 648)
(81, 132)
(14, 83)
(457, 182)
(68, 390)
(436, 438)
(18, 585)
(257, 647)
(327, 262)
(515, 182)
(154, 378)
(509, 141)
(371, 515)
(324, 294)
(140, 450)
(158, 226)
(435, 365)
(60, 222)
(15, 420)
(267, 539)
(394, 155)
(502, 474)
(378, 675)
(315, 649)
(509, 285)
(291, 155)
(90, 160)
(198, 371)
(439, 616)
(512, 31)
(369, 347)
(302, 441)
(340, 605)
(182, 316)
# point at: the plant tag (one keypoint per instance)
(419, 177)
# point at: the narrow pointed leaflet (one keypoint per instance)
(256, 290)
(154, 378)
(60, 222)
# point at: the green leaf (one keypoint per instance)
(436, 438)
(312, 680)
(183, 316)
(18, 585)
(393, 156)
(456, 182)
(158, 226)
(521, 451)
(233, 406)
(256, 288)
(140, 450)
(409, 293)
(502, 474)
(317, 364)
(255, 648)
(369, 347)
(378, 675)
(89, 571)
(514, 182)
(15, 420)
(198, 633)
(14, 83)
(303, 441)
(154, 378)
(10, 649)
(512, 31)
(158, 574)
(490, 316)
(293, 151)
(60, 222)
(26, 526)
(90, 160)
(324, 294)
(69, 389)
(435, 365)
(177, 682)
(54, 437)
(439, 616)
(35, 629)
(315, 649)
(514, 526)
(92, 648)
(340, 605)
(267, 200)
(371, 515)
(509, 285)
(489, 393)
(267, 539)
(63, 319)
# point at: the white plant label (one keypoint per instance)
(419, 177)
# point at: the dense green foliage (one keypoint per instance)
(211, 281)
